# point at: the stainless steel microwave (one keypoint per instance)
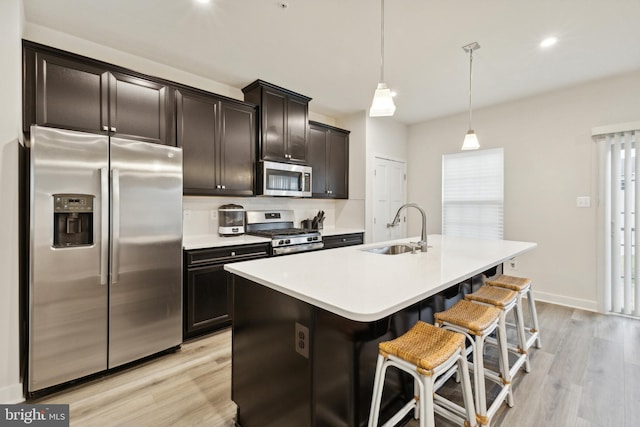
(284, 179)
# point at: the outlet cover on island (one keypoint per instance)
(513, 264)
(583, 202)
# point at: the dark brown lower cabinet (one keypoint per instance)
(342, 240)
(207, 289)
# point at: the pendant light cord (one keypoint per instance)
(470, 73)
(381, 41)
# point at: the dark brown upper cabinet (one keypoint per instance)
(218, 137)
(284, 117)
(67, 91)
(328, 150)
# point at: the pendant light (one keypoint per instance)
(382, 104)
(470, 139)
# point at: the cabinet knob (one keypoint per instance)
(329, 192)
(218, 186)
(224, 187)
(105, 128)
(233, 254)
(344, 240)
(113, 129)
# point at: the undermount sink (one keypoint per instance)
(391, 250)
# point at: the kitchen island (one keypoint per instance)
(306, 326)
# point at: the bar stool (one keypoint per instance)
(505, 300)
(522, 286)
(427, 353)
(477, 322)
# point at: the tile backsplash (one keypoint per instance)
(200, 214)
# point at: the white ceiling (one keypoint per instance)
(330, 49)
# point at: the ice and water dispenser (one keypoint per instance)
(72, 220)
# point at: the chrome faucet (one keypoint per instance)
(423, 237)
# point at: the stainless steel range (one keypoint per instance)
(278, 226)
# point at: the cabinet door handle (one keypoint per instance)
(105, 128)
(113, 129)
(224, 187)
(329, 192)
(218, 186)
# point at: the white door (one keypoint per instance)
(389, 193)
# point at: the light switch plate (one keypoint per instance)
(583, 202)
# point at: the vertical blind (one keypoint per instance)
(622, 266)
(472, 194)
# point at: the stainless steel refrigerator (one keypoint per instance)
(105, 253)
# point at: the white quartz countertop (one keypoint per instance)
(337, 231)
(365, 286)
(202, 241)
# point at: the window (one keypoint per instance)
(472, 194)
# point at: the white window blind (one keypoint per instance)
(622, 264)
(472, 194)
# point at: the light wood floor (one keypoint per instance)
(586, 374)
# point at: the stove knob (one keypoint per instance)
(281, 242)
(287, 241)
(309, 239)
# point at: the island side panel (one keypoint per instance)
(271, 381)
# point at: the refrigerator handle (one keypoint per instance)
(115, 230)
(104, 225)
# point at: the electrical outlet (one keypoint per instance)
(302, 340)
(513, 264)
(213, 215)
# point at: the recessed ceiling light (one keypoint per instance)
(203, 1)
(548, 42)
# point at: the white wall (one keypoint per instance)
(550, 159)
(11, 19)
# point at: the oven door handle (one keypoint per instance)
(298, 248)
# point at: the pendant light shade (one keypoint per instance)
(470, 139)
(382, 104)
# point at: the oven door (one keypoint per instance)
(283, 179)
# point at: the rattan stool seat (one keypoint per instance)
(424, 345)
(499, 297)
(474, 317)
(510, 282)
(524, 287)
(430, 355)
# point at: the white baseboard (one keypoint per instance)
(11, 394)
(582, 304)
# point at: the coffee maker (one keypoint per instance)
(230, 220)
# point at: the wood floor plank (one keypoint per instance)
(601, 402)
(631, 394)
(632, 341)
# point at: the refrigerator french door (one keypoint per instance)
(105, 253)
